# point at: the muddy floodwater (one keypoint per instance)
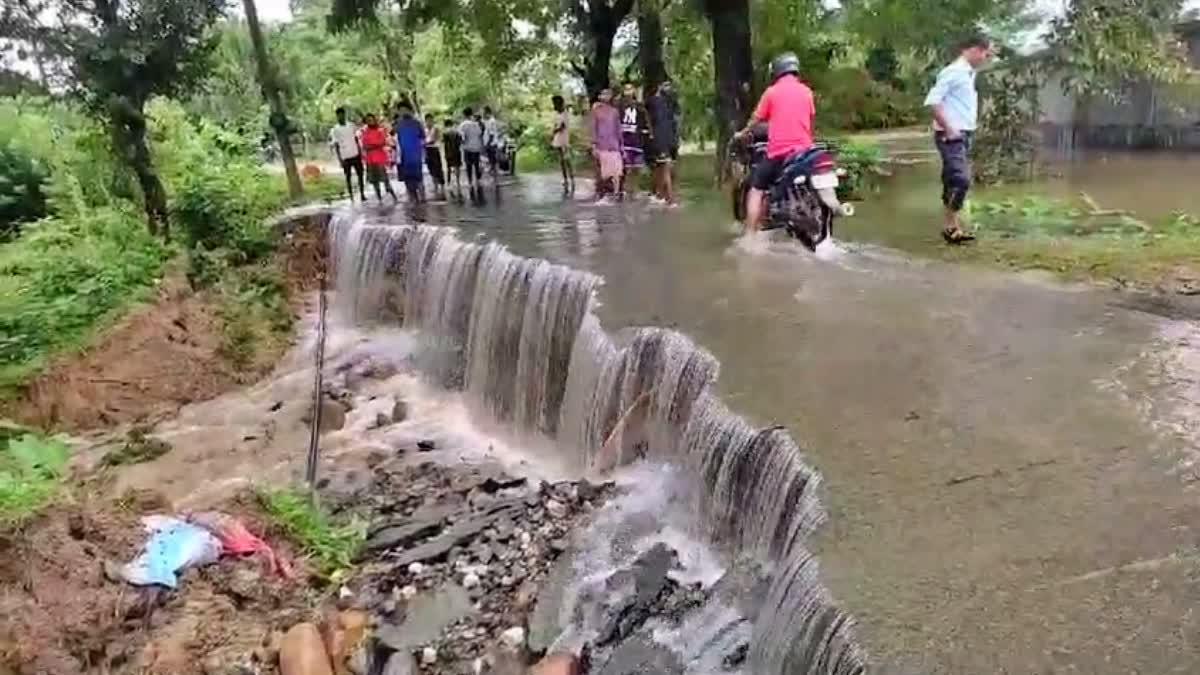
(1010, 465)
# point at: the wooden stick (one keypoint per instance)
(619, 426)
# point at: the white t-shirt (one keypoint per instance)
(345, 137)
(472, 135)
(491, 131)
(562, 133)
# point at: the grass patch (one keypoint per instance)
(1078, 241)
(330, 545)
(31, 467)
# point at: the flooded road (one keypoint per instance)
(1007, 463)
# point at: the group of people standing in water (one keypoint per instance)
(414, 147)
(627, 135)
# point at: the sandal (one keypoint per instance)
(957, 236)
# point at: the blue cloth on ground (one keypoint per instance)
(173, 545)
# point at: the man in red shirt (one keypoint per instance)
(374, 140)
(788, 109)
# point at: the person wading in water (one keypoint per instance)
(606, 144)
(343, 137)
(560, 140)
(374, 140)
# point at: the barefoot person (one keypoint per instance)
(343, 138)
(664, 139)
(452, 142)
(433, 156)
(954, 104)
(560, 140)
(471, 132)
(634, 132)
(374, 139)
(410, 154)
(606, 144)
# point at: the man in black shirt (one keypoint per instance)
(664, 130)
(633, 136)
(453, 145)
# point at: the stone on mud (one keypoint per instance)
(640, 655)
(303, 652)
(426, 617)
(513, 637)
(544, 626)
(649, 577)
(399, 411)
(558, 664)
(333, 415)
(401, 663)
(400, 535)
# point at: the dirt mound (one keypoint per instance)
(60, 615)
(166, 353)
(158, 357)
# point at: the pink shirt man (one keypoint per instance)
(787, 106)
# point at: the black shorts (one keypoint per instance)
(766, 172)
(472, 161)
(354, 163)
(491, 153)
(453, 159)
(433, 162)
(665, 153)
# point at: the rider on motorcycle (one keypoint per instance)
(788, 109)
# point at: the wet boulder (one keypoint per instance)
(558, 664)
(302, 652)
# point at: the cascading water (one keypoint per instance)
(519, 337)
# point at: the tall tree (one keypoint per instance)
(268, 80)
(733, 71)
(118, 54)
(595, 23)
(650, 44)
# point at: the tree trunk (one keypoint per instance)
(650, 45)
(734, 71)
(129, 136)
(600, 21)
(270, 88)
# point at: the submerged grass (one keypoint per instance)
(329, 544)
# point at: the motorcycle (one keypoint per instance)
(803, 200)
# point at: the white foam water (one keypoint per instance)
(519, 337)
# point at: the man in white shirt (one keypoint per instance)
(472, 134)
(343, 138)
(491, 138)
(954, 104)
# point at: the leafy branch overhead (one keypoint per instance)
(1105, 45)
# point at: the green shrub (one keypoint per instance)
(30, 467)
(848, 99)
(61, 276)
(21, 195)
(860, 160)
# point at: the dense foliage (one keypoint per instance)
(116, 55)
(92, 255)
(1005, 148)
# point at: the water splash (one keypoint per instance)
(519, 336)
